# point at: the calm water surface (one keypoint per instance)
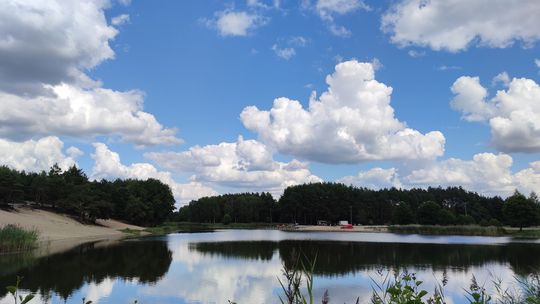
(244, 266)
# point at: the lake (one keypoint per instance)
(244, 266)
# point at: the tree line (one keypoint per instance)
(332, 202)
(141, 202)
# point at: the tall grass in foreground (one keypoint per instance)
(14, 238)
(405, 288)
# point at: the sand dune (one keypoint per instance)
(56, 227)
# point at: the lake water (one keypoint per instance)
(244, 266)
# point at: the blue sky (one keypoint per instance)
(138, 89)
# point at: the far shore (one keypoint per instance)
(320, 228)
(59, 232)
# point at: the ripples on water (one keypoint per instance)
(243, 265)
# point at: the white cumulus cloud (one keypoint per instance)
(71, 36)
(107, 165)
(351, 122)
(376, 178)
(486, 173)
(37, 155)
(454, 25)
(513, 114)
(244, 165)
(46, 47)
(78, 112)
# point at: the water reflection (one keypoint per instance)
(145, 262)
(243, 266)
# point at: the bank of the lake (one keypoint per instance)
(58, 232)
(463, 230)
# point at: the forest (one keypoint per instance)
(141, 202)
(150, 202)
(332, 202)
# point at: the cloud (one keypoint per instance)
(340, 31)
(244, 165)
(448, 67)
(36, 155)
(120, 19)
(456, 25)
(351, 122)
(501, 78)
(276, 4)
(327, 8)
(72, 36)
(292, 43)
(376, 178)
(416, 54)
(97, 291)
(235, 23)
(44, 90)
(284, 53)
(299, 41)
(74, 111)
(513, 114)
(537, 62)
(107, 165)
(486, 173)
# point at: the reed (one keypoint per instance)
(14, 238)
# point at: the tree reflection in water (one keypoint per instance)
(339, 258)
(64, 273)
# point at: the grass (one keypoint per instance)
(472, 230)
(14, 238)
(170, 227)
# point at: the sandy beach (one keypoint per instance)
(58, 232)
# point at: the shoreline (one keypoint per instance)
(465, 230)
(59, 232)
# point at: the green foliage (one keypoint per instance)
(15, 238)
(450, 230)
(240, 208)
(494, 222)
(428, 213)
(293, 281)
(477, 294)
(465, 220)
(445, 217)
(309, 203)
(404, 289)
(226, 219)
(14, 292)
(520, 211)
(143, 202)
(403, 214)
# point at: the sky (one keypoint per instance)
(218, 97)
